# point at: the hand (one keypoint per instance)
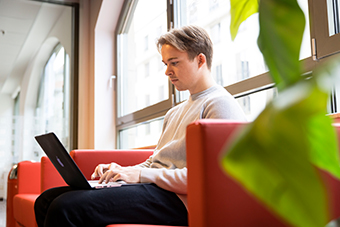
(127, 174)
(102, 168)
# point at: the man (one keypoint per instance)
(160, 198)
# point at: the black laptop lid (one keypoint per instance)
(62, 161)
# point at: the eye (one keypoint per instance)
(174, 63)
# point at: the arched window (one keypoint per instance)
(53, 103)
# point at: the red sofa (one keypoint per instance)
(214, 199)
(35, 177)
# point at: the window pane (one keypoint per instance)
(141, 135)
(333, 16)
(305, 51)
(334, 105)
(52, 111)
(235, 60)
(254, 104)
(139, 73)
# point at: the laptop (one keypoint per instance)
(66, 166)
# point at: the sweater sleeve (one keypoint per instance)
(147, 163)
(174, 180)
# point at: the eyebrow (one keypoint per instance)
(170, 59)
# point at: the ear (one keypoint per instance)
(201, 60)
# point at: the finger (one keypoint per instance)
(95, 173)
(100, 171)
(102, 174)
(117, 177)
(109, 177)
(106, 177)
(101, 179)
(102, 168)
(113, 165)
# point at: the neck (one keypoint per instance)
(206, 81)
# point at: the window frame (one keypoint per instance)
(323, 45)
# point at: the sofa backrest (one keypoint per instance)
(214, 198)
(87, 160)
(28, 177)
(49, 175)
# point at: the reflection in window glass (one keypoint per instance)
(139, 73)
(254, 104)
(333, 16)
(241, 58)
(141, 135)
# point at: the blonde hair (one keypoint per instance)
(191, 39)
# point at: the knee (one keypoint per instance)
(48, 211)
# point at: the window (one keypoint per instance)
(217, 72)
(140, 75)
(325, 34)
(147, 69)
(16, 127)
(241, 58)
(53, 104)
(237, 65)
(253, 103)
(216, 33)
(146, 43)
(333, 16)
(141, 135)
(326, 39)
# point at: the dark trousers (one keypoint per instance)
(128, 204)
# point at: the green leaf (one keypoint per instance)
(273, 157)
(324, 153)
(324, 146)
(282, 24)
(240, 10)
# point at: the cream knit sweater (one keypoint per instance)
(167, 166)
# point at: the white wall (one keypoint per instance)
(98, 21)
(105, 129)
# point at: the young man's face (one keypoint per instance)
(182, 71)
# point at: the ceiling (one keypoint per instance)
(24, 25)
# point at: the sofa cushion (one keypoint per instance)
(23, 209)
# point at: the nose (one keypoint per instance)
(168, 71)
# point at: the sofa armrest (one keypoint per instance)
(214, 198)
(28, 177)
(87, 160)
